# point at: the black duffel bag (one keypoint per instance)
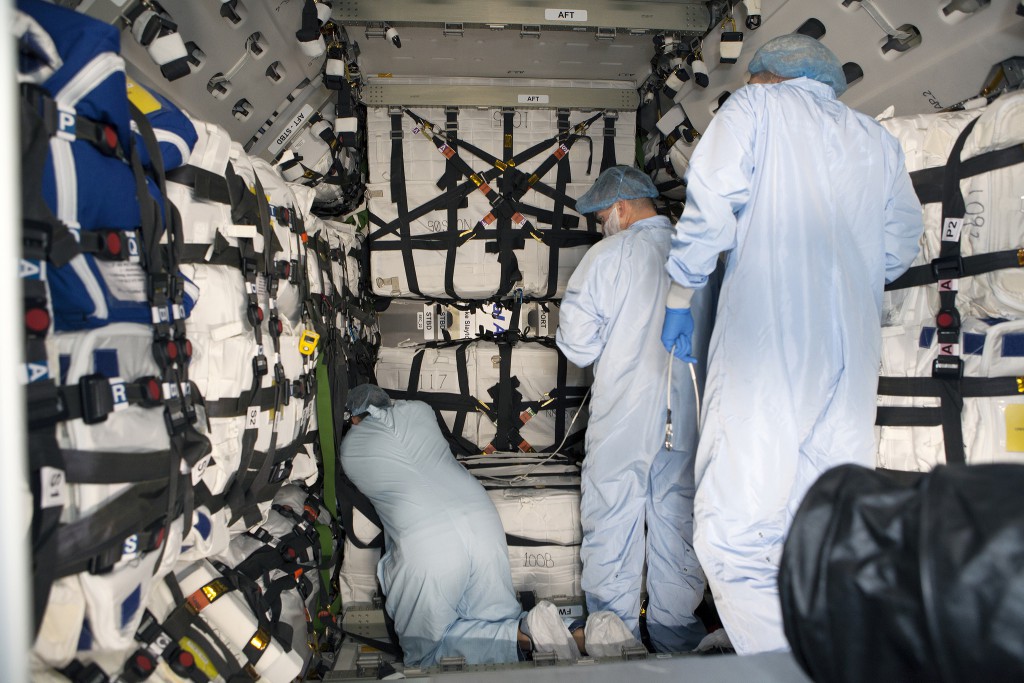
(922, 579)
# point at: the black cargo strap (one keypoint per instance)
(41, 232)
(386, 647)
(608, 151)
(563, 178)
(350, 499)
(92, 399)
(401, 200)
(206, 185)
(95, 543)
(448, 183)
(514, 541)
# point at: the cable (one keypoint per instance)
(668, 397)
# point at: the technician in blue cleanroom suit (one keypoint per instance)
(611, 316)
(445, 574)
(813, 206)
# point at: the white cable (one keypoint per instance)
(696, 394)
(668, 397)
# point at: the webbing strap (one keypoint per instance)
(608, 151)
(930, 183)
(39, 228)
(206, 185)
(401, 200)
(448, 182)
(563, 178)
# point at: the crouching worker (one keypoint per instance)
(446, 574)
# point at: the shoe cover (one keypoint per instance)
(606, 635)
(545, 628)
(716, 640)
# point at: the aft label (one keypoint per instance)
(565, 15)
(533, 99)
(291, 129)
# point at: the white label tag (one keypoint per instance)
(120, 391)
(574, 611)
(52, 488)
(291, 129)
(542, 322)
(466, 329)
(130, 547)
(949, 349)
(31, 270)
(948, 285)
(493, 317)
(428, 322)
(252, 418)
(533, 99)
(420, 317)
(126, 280)
(200, 468)
(951, 228)
(565, 15)
(66, 123)
(33, 372)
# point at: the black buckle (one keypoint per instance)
(159, 288)
(293, 272)
(97, 399)
(948, 367)
(259, 365)
(105, 561)
(948, 267)
(175, 418)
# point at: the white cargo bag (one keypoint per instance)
(476, 271)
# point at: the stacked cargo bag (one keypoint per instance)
(463, 208)
(209, 622)
(282, 557)
(490, 396)
(951, 345)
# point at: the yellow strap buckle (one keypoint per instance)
(308, 342)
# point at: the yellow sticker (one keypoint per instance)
(141, 98)
(1015, 428)
(202, 660)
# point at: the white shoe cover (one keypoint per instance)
(606, 635)
(717, 639)
(548, 632)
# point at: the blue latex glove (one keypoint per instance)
(678, 330)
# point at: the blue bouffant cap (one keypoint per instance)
(615, 183)
(794, 55)
(360, 398)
